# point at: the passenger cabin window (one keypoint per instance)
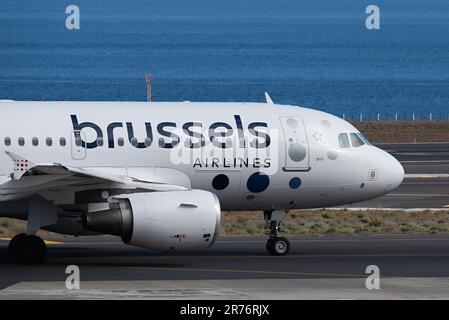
(35, 141)
(62, 142)
(78, 141)
(7, 141)
(21, 141)
(134, 142)
(343, 140)
(120, 142)
(100, 141)
(356, 141)
(49, 141)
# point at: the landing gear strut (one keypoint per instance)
(276, 245)
(27, 249)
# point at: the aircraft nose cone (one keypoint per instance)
(394, 173)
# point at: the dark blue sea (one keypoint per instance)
(314, 53)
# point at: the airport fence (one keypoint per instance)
(398, 116)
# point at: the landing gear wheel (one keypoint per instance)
(14, 241)
(269, 245)
(27, 249)
(278, 246)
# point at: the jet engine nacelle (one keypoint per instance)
(172, 220)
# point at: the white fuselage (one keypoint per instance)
(253, 156)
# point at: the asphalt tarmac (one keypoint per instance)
(236, 268)
(416, 193)
(421, 158)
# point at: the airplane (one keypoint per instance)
(159, 174)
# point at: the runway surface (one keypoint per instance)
(108, 267)
(420, 157)
(421, 193)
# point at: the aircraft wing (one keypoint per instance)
(30, 177)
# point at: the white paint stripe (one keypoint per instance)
(424, 161)
(426, 175)
(417, 194)
(387, 209)
(409, 143)
(425, 183)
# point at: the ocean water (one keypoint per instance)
(314, 53)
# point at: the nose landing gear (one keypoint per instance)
(276, 245)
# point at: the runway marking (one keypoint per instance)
(264, 241)
(230, 240)
(339, 240)
(49, 242)
(423, 161)
(425, 175)
(410, 143)
(388, 209)
(292, 273)
(290, 256)
(426, 183)
(417, 194)
(46, 241)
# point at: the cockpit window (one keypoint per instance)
(356, 141)
(364, 139)
(343, 140)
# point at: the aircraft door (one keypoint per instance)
(78, 146)
(296, 144)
